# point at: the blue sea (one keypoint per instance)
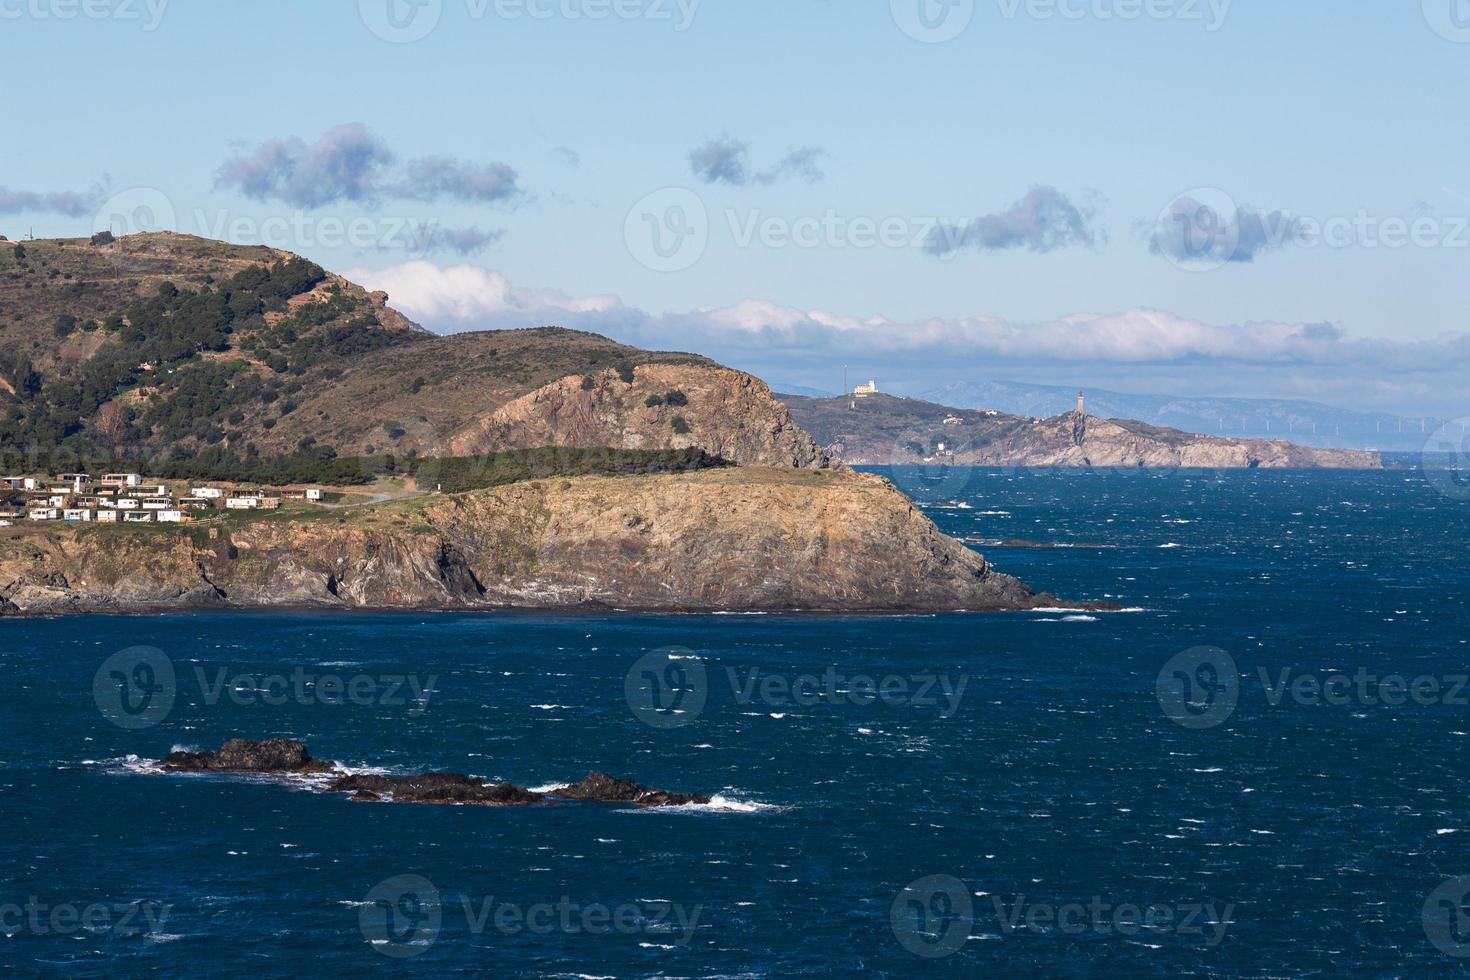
(1256, 771)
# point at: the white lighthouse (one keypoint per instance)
(1081, 403)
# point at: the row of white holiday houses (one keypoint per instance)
(125, 498)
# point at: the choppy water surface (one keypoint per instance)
(1257, 772)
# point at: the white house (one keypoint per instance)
(21, 482)
(76, 481)
(107, 517)
(242, 503)
(77, 515)
(45, 514)
(124, 479)
(313, 494)
(863, 391)
(170, 517)
(157, 503)
(128, 503)
(207, 493)
(138, 517)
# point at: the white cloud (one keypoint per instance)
(789, 343)
(463, 296)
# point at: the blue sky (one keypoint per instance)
(1050, 139)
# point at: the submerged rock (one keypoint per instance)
(602, 788)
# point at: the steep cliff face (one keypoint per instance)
(655, 406)
(1075, 440)
(750, 538)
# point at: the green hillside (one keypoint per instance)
(167, 345)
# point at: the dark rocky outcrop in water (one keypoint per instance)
(434, 787)
(272, 755)
(602, 788)
(287, 757)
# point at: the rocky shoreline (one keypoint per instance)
(285, 758)
(744, 539)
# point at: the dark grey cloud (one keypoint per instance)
(1191, 231)
(427, 239)
(721, 160)
(726, 160)
(802, 163)
(72, 204)
(350, 163)
(346, 164)
(1042, 221)
(435, 178)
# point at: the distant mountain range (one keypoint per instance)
(1303, 422)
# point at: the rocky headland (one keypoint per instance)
(884, 429)
(746, 538)
(244, 361)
